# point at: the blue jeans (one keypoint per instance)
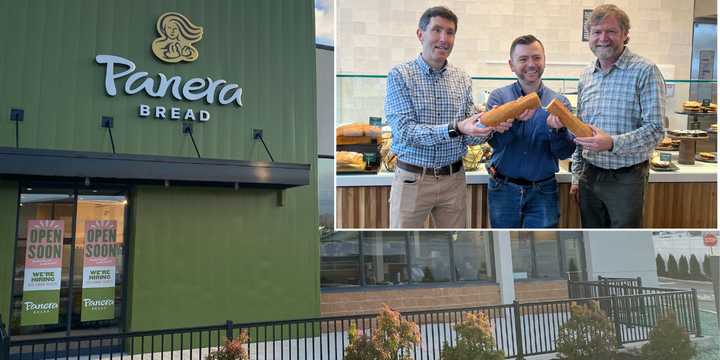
(519, 206)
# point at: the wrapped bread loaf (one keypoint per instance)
(572, 122)
(358, 130)
(348, 160)
(510, 110)
(357, 134)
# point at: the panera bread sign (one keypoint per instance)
(175, 43)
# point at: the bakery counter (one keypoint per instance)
(685, 198)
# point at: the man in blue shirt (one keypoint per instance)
(430, 109)
(522, 191)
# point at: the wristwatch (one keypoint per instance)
(453, 129)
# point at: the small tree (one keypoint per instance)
(668, 340)
(706, 267)
(393, 339)
(660, 265)
(233, 349)
(475, 340)
(588, 335)
(695, 272)
(683, 268)
(672, 267)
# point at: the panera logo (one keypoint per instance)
(31, 306)
(177, 36)
(98, 303)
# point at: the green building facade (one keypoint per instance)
(208, 235)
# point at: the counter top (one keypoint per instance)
(700, 172)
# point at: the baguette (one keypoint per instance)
(510, 110)
(572, 122)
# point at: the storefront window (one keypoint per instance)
(384, 258)
(521, 247)
(472, 256)
(430, 257)
(546, 254)
(340, 260)
(401, 258)
(77, 284)
(572, 252)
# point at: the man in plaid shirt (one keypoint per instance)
(430, 109)
(622, 97)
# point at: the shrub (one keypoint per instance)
(660, 265)
(668, 340)
(475, 340)
(683, 268)
(695, 272)
(672, 267)
(232, 350)
(588, 335)
(392, 336)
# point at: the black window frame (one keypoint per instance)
(76, 185)
(362, 235)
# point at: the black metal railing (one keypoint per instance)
(520, 329)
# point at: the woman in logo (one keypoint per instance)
(177, 34)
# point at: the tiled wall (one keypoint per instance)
(333, 303)
(374, 35)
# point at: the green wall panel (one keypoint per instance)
(48, 68)
(202, 256)
(8, 219)
(197, 255)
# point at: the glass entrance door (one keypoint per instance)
(69, 261)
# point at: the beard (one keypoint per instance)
(605, 52)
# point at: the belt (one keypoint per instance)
(619, 170)
(521, 182)
(443, 170)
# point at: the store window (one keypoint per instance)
(340, 260)
(385, 258)
(430, 257)
(547, 255)
(69, 260)
(473, 256)
(391, 258)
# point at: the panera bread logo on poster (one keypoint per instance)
(177, 36)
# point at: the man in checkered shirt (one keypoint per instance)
(622, 97)
(430, 109)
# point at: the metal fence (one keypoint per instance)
(519, 329)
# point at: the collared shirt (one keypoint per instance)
(419, 105)
(530, 149)
(627, 102)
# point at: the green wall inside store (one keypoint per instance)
(8, 219)
(202, 256)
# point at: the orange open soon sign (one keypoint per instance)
(710, 239)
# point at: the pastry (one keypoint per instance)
(572, 122)
(691, 105)
(510, 110)
(710, 156)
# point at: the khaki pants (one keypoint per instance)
(415, 196)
